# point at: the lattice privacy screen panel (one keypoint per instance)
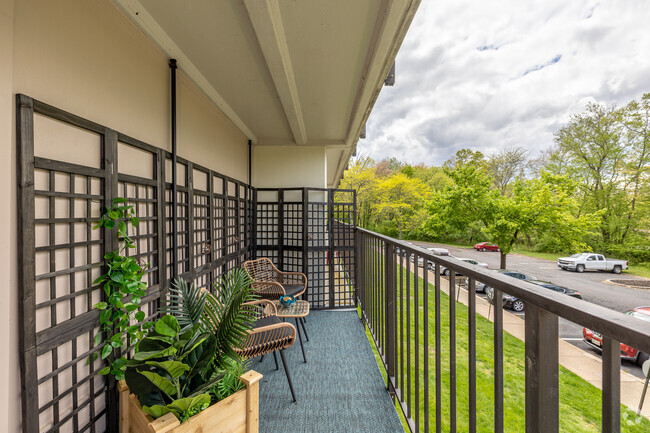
(69, 169)
(310, 230)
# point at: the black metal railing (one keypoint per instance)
(396, 300)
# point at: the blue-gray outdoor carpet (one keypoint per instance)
(339, 389)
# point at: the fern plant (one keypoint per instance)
(229, 383)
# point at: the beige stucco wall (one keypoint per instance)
(289, 166)
(9, 363)
(206, 136)
(86, 57)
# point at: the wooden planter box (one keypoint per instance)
(237, 413)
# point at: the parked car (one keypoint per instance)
(517, 304)
(489, 291)
(440, 251)
(398, 250)
(435, 251)
(595, 339)
(591, 262)
(446, 272)
(486, 246)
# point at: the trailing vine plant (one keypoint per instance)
(124, 289)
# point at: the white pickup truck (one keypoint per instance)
(591, 262)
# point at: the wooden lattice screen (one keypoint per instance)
(310, 230)
(69, 168)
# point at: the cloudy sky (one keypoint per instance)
(497, 74)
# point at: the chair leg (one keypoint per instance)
(275, 358)
(261, 358)
(302, 322)
(302, 347)
(286, 371)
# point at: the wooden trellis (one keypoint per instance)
(60, 255)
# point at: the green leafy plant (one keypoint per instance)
(173, 369)
(223, 314)
(229, 383)
(188, 360)
(124, 289)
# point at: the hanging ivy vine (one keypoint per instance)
(120, 315)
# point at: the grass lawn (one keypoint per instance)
(580, 402)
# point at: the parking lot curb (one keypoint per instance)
(614, 283)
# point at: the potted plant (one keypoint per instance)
(184, 373)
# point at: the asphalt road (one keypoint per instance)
(591, 285)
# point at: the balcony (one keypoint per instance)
(433, 352)
(267, 122)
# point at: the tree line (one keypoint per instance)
(588, 191)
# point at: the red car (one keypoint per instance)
(486, 246)
(594, 339)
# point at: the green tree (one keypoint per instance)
(434, 177)
(465, 206)
(593, 145)
(636, 168)
(465, 157)
(399, 198)
(361, 176)
(544, 205)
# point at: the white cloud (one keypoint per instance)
(489, 75)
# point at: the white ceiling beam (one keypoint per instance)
(145, 21)
(267, 24)
(281, 142)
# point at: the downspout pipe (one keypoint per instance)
(252, 206)
(250, 164)
(173, 67)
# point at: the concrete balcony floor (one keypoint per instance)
(339, 389)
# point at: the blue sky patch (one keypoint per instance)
(553, 61)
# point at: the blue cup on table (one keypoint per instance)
(287, 301)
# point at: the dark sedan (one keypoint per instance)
(489, 291)
(517, 304)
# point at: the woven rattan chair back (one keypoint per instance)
(262, 270)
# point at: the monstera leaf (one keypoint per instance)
(171, 365)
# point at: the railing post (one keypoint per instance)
(389, 281)
(542, 379)
(358, 277)
(611, 401)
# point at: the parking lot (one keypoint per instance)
(592, 286)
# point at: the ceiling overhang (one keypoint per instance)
(286, 73)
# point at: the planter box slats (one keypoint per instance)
(238, 413)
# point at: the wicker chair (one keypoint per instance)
(269, 334)
(271, 283)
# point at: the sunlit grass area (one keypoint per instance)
(580, 402)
